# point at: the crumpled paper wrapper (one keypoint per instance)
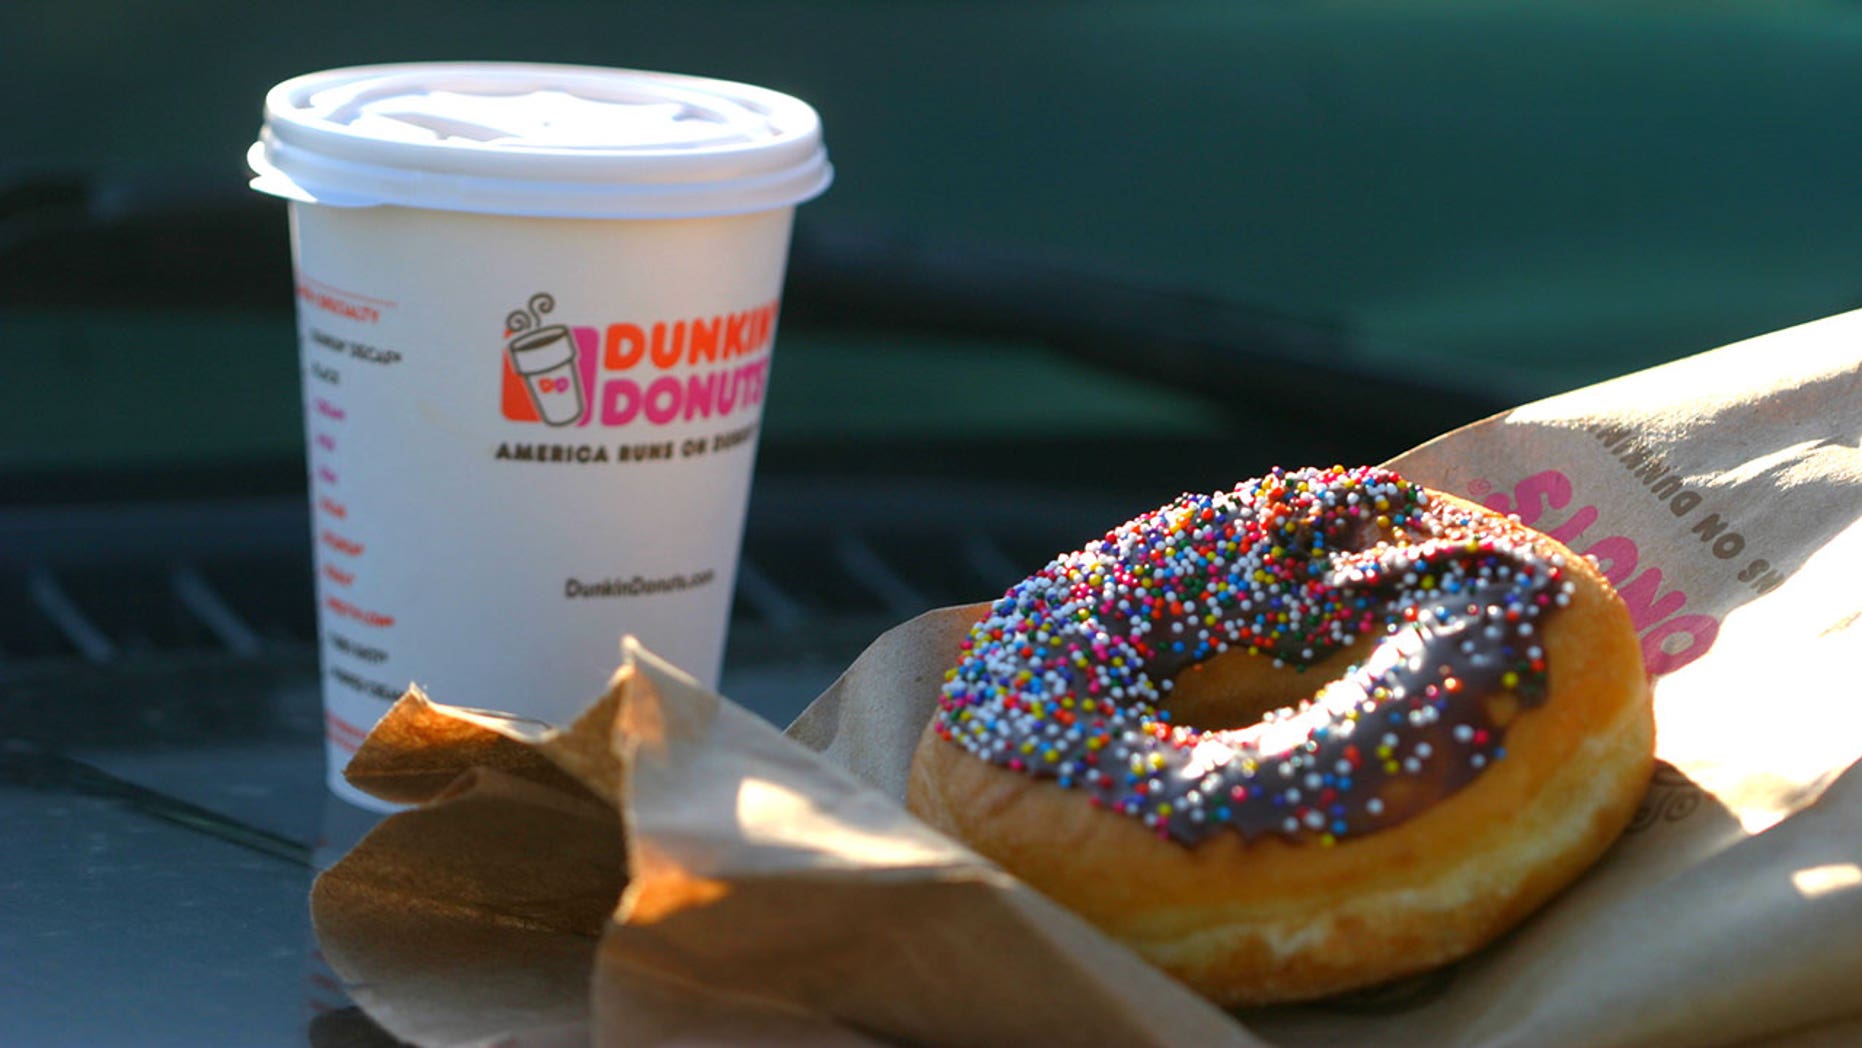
(671, 869)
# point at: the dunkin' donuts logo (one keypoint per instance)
(1673, 634)
(650, 372)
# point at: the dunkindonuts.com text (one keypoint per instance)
(636, 586)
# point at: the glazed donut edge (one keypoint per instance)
(1270, 919)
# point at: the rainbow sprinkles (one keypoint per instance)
(1065, 677)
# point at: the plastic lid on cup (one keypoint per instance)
(546, 140)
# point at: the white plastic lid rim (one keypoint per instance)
(542, 140)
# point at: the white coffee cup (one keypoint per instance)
(536, 306)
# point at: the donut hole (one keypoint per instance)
(1236, 689)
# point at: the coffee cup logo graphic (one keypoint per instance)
(544, 359)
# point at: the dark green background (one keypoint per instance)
(1531, 196)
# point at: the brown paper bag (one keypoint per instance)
(671, 869)
(771, 893)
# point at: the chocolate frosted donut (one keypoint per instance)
(1432, 630)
